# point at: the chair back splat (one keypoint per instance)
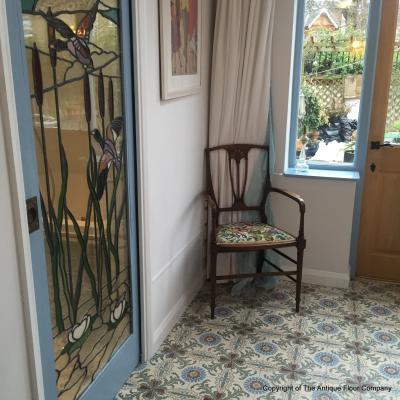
(238, 177)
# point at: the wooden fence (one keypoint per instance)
(334, 77)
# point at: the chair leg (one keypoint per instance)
(300, 252)
(260, 261)
(213, 279)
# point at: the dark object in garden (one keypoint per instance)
(346, 126)
(312, 148)
(348, 156)
(339, 129)
(329, 134)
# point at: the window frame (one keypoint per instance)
(365, 99)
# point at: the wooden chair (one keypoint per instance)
(242, 236)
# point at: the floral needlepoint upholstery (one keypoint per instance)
(252, 233)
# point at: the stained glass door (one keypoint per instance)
(74, 70)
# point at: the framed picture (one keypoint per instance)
(180, 47)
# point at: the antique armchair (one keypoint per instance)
(250, 236)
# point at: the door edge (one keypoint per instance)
(8, 109)
(368, 86)
(138, 50)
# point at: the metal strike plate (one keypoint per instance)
(32, 214)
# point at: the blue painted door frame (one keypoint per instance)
(374, 25)
(364, 115)
(111, 378)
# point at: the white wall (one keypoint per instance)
(172, 140)
(329, 203)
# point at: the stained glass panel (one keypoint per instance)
(73, 54)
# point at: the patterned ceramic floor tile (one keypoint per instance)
(257, 347)
(382, 312)
(381, 338)
(381, 291)
(331, 329)
(328, 303)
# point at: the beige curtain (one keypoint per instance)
(240, 87)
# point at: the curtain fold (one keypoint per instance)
(240, 99)
(245, 262)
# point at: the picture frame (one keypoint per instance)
(180, 47)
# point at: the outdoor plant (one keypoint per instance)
(334, 52)
(350, 147)
(312, 117)
(349, 151)
(395, 135)
(337, 110)
(396, 126)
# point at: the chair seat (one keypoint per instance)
(251, 233)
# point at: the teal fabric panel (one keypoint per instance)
(247, 261)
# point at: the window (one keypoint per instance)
(329, 67)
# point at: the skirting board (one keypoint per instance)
(326, 278)
(323, 278)
(173, 316)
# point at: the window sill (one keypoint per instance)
(324, 174)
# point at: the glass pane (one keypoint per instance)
(74, 68)
(331, 80)
(392, 130)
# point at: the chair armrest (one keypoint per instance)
(295, 197)
(302, 206)
(209, 200)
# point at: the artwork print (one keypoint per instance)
(180, 47)
(184, 43)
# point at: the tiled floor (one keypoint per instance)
(341, 337)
